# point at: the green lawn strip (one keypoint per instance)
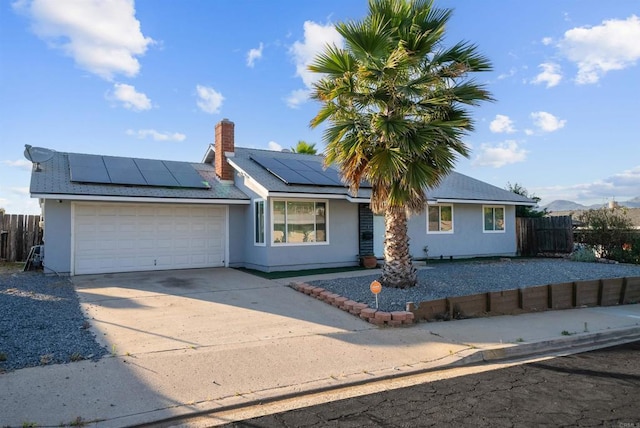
(294, 273)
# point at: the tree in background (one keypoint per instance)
(525, 210)
(304, 147)
(396, 100)
(610, 232)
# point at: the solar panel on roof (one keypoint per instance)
(136, 172)
(88, 169)
(296, 171)
(117, 162)
(123, 171)
(159, 178)
(186, 175)
(150, 165)
(303, 172)
(131, 177)
(323, 179)
(179, 167)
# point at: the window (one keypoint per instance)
(440, 219)
(299, 222)
(258, 207)
(493, 219)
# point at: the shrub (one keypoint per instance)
(610, 232)
(583, 253)
(629, 252)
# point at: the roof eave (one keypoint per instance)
(102, 198)
(479, 202)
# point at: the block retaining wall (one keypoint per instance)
(374, 316)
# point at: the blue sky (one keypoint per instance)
(152, 78)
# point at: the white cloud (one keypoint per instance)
(274, 146)
(316, 37)
(528, 131)
(103, 37)
(546, 121)
(20, 163)
(550, 75)
(624, 184)
(157, 136)
(209, 100)
(298, 97)
(618, 186)
(612, 45)
(547, 41)
(129, 97)
(508, 74)
(253, 55)
(499, 155)
(501, 124)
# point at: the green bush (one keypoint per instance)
(629, 252)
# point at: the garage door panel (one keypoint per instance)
(138, 237)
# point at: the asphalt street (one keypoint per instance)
(597, 388)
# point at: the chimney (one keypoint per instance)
(224, 143)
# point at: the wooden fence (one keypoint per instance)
(544, 235)
(18, 233)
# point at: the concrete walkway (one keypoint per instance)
(203, 340)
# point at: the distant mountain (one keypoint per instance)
(632, 203)
(563, 205)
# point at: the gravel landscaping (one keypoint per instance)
(41, 322)
(442, 280)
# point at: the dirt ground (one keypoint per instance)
(10, 267)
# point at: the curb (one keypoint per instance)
(562, 346)
(568, 345)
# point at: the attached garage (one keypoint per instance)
(125, 237)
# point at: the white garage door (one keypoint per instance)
(114, 237)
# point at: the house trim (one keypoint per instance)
(314, 196)
(477, 201)
(264, 222)
(504, 219)
(441, 232)
(298, 244)
(101, 198)
(250, 182)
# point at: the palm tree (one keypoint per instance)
(395, 99)
(304, 147)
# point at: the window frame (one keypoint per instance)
(295, 244)
(484, 221)
(440, 231)
(256, 242)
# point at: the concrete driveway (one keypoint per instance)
(196, 340)
(153, 312)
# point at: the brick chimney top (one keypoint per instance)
(225, 143)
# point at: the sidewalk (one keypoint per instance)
(160, 380)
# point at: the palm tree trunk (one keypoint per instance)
(398, 270)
